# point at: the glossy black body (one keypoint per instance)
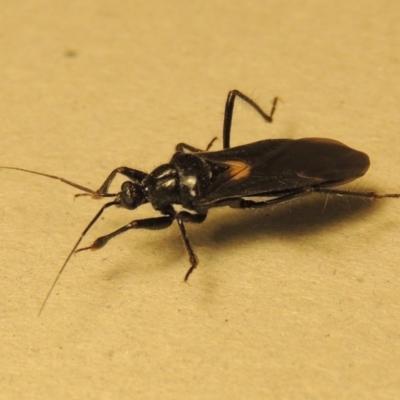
(200, 180)
(279, 170)
(266, 168)
(270, 171)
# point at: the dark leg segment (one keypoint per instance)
(148, 223)
(184, 147)
(369, 195)
(230, 102)
(182, 217)
(189, 217)
(181, 147)
(155, 224)
(132, 174)
(244, 203)
(192, 256)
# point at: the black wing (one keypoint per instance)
(275, 167)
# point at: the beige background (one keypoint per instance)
(296, 302)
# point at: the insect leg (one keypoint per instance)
(133, 174)
(244, 203)
(181, 147)
(230, 102)
(184, 147)
(182, 217)
(370, 195)
(147, 223)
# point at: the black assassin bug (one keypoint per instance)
(279, 170)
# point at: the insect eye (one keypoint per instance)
(131, 195)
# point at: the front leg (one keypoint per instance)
(147, 223)
(133, 174)
(155, 224)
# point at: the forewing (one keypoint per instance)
(275, 167)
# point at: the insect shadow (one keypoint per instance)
(252, 176)
(315, 214)
(301, 217)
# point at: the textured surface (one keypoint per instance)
(300, 301)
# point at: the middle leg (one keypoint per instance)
(182, 217)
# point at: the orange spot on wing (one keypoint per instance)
(238, 169)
